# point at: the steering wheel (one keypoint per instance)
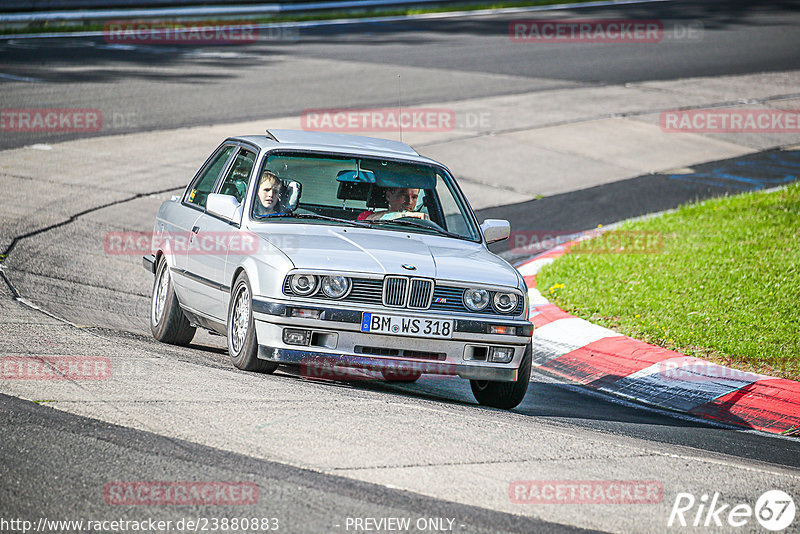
(421, 222)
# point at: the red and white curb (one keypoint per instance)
(602, 359)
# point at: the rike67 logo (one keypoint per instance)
(774, 510)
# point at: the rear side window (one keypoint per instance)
(204, 183)
(235, 182)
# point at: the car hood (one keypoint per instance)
(374, 251)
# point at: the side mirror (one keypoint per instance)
(225, 206)
(293, 191)
(495, 230)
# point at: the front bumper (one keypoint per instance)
(336, 340)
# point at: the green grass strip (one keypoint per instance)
(718, 280)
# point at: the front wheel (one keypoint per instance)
(242, 342)
(167, 321)
(504, 395)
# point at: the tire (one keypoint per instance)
(242, 342)
(504, 395)
(167, 321)
(401, 376)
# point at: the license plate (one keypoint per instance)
(401, 325)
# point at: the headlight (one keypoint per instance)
(335, 287)
(505, 302)
(303, 284)
(476, 299)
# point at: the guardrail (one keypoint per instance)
(203, 11)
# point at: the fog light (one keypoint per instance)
(501, 354)
(305, 313)
(500, 329)
(292, 336)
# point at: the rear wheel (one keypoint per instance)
(242, 342)
(167, 321)
(504, 395)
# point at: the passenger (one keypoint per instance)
(402, 201)
(270, 195)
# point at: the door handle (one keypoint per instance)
(195, 229)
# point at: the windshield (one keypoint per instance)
(384, 194)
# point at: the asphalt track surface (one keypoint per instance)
(40, 441)
(141, 88)
(171, 85)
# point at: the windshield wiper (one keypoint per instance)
(415, 224)
(315, 216)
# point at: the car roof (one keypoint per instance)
(334, 142)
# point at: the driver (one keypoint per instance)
(402, 201)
